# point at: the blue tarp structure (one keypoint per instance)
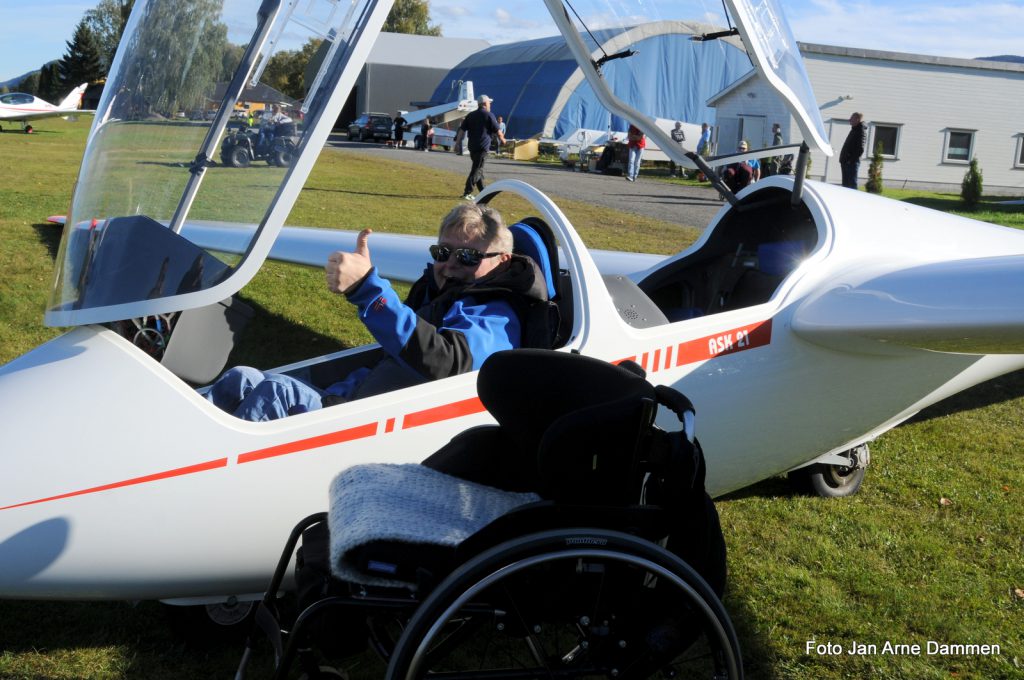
(539, 89)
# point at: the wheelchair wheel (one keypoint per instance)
(570, 603)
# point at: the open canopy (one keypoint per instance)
(148, 169)
(629, 80)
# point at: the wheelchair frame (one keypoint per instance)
(591, 642)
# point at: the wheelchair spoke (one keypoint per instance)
(571, 613)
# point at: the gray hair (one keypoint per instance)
(471, 220)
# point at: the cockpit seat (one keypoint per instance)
(528, 241)
(779, 258)
(548, 326)
(761, 276)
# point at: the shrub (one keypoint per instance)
(874, 184)
(970, 188)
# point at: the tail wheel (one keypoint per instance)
(570, 604)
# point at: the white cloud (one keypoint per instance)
(450, 11)
(506, 20)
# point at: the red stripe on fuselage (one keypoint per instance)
(701, 349)
(457, 409)
(708, 347)
(359, 432)
(177, 472)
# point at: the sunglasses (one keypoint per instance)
(467, 257)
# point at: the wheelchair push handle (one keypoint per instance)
(680, 404)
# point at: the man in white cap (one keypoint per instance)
(477, 129)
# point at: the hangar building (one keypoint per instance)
(404, 68)
(538, 88)
(931, 115)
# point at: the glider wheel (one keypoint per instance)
(834, 481)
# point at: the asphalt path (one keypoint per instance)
(684, 205)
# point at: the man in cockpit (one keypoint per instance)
(469, 303)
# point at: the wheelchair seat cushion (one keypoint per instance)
(388, 522)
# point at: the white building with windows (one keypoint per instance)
(931, 115)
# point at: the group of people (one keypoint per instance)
(739, 175)
(423, 141)
(636, 142)
(744, 172)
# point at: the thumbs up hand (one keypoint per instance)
(345, 270)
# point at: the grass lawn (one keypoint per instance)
(931, 549)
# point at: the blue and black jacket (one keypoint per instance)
(440, 333)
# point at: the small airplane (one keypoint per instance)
(462, 105)
(20, 107)
(807, 320)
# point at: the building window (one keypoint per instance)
(888, 135)
(959, 146)
(1018, 159)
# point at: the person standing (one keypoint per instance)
(678, 136)
(775, 162)
(853, 149)
(755, 165)
(478, 128)
(704, 143)
(426, 134)
(636, 143)
(501, 129)
(400, 123)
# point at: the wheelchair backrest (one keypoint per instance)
(589, 432)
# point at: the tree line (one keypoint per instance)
(91, 50)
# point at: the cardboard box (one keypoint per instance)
(525, 150)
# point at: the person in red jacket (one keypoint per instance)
(636, 141)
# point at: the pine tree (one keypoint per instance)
(107, 21)
(874, 184)
(970, 188)
(29, 85)
(48, 85)
(81, 63)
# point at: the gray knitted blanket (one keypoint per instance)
(408, 503)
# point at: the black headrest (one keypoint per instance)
(528, 389)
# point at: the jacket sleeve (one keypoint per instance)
(470, 331)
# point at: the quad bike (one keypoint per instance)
(244, 146)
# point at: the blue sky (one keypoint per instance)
(35, 32)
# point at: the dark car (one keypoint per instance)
(375, 126)
(244, 146)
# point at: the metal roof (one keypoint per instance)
(403, 49)
(861, 53)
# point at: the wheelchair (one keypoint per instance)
(588, 546)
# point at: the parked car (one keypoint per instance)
(376, 126)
